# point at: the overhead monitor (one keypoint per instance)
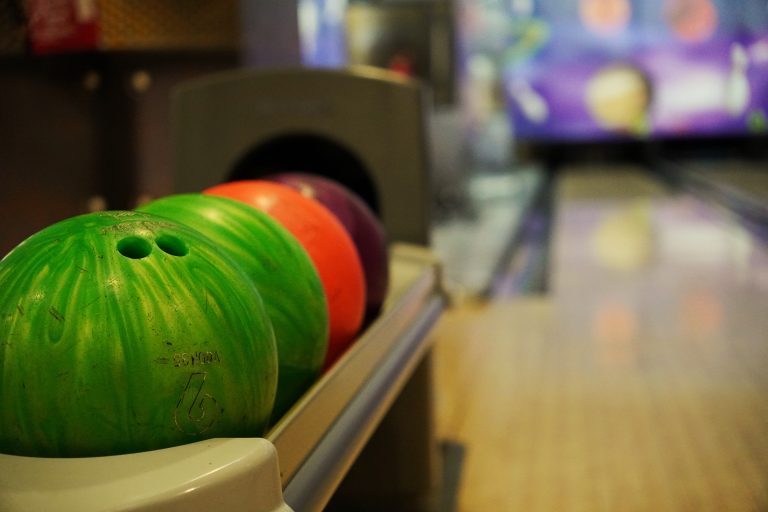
(587, 70)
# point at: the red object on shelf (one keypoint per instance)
(57, 26)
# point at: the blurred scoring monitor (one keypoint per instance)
(623, 69)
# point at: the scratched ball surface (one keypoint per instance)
(123, 332)
(281, 270)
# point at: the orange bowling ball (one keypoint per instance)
(329, 247)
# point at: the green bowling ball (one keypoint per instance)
(123, 332)
(283, 273)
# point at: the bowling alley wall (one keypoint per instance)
(84, 101)
(85, 88)
(85, 85)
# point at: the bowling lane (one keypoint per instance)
(638, 382)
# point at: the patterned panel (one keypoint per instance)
(169, 24)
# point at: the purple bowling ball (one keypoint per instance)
(361, 223)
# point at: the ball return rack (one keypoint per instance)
(297, 466)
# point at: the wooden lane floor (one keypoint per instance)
(638, 384)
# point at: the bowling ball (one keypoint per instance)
(281, 270)
(328, 245)
(123, 332)
(361, 223)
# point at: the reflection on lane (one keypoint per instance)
(654, 278)
(636, 383)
